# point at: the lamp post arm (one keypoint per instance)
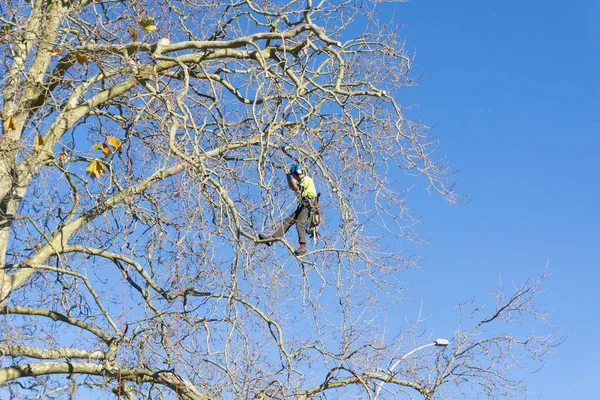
(438, 342)
(408, 354)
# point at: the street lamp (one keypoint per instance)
(437, 342)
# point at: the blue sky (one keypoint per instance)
(512, 89)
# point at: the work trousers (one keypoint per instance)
(298, 217)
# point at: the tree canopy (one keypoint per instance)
(141, 155)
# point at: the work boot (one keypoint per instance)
(301, 250)
(265, 237)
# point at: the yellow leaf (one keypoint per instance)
(95, 168)
(81, 58)
(9, 123)
(114, 142)
(134, 36)
(38, 142)
(146, 21)
(150, 28)
(106, 151)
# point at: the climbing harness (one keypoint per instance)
(314, 217)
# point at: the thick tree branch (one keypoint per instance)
(184, 389)
(19, 350)
(57, 317)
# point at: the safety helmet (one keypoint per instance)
(295, 169)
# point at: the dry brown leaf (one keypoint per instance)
(95, 168)
(150, 28)
(114, 142)
(81, 58)
(134, 35)
(9, 123)
(146, 21)
(63, 155)
(38, 142)
(106, 151)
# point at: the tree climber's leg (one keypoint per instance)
(301, 224)
(284, 227)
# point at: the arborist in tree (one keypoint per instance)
(304, 186)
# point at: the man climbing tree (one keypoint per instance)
(304, 187)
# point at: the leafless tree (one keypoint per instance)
(141, 155)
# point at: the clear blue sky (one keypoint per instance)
(513, 89)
